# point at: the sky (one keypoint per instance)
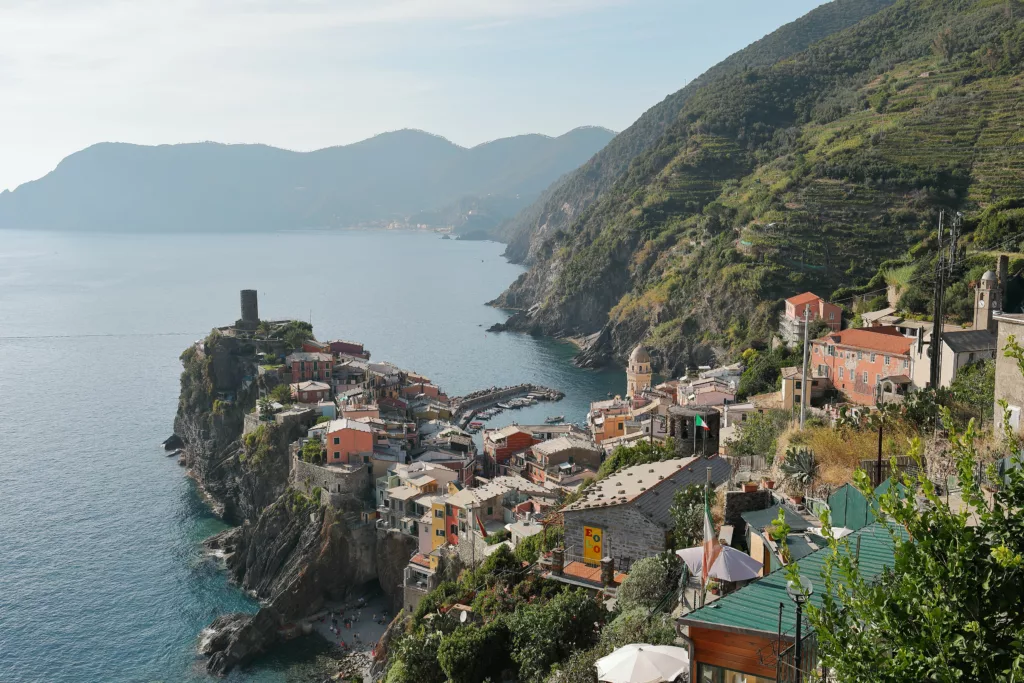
(307, 74)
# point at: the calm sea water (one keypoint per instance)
(101, 573)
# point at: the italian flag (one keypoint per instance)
(698, 422)
(711, 546)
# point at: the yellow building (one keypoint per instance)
(638, 373)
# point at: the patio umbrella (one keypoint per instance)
(731, 565)
(640, 663)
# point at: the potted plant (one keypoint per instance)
(749, 487)
(768, 483)
(800, 469)
(714, 586)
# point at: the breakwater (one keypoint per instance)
(465, 407)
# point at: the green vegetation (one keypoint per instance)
(258, 444)
(282, 394)
(762, 373)
(688, 513)
(641, 453)
(759, 434)
(498, 537)
(651, 582)
(313, 451)
(322, 419)
(820, 171)
(529, 549)
(973, 390)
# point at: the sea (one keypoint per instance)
(102, 574)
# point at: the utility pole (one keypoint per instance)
(803, 379)
(934, 346)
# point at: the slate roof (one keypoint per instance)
(563, 443)
(651, 487)
(970, 340)
(754, 608)
(759, 519)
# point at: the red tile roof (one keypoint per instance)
(879, 339)
(805, 298)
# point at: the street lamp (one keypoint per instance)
(799, 591)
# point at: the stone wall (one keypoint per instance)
(1009, 381)
(628, 535)
(738, 502)
(393, 552)
(340, 482)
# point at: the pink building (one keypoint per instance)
(858, 361)
(310, 392)
(349, 442)
(310, 366)
(818, 309)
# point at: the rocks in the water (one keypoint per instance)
(173, 443)
(236, 639)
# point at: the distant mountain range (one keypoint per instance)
(210, 186)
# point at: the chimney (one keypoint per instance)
(607, 571)
(557, 561)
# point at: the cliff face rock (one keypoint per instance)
(294, 557)
(218, 388)
(392, 556)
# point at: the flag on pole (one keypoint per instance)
(711, 545)
(698, 422)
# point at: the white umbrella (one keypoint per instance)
(731, 565)
(640, 663)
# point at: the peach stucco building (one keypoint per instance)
(349, 442)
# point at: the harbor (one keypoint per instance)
(473, 409)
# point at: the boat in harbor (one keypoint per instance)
(476, 425)
(504, 406)
(556, 419)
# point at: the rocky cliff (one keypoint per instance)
(289, 550)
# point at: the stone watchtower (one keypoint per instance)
(250, 319)
(987, 298)
(638, 373)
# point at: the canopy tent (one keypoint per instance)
(731, 565)
(641, 663)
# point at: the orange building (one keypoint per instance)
(817, 308)
(349, 442)
(501, 444)
(310, 366)
(857, 361)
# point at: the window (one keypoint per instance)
(878, 378)
(873, 358)
(490, 510)
(439, 513)
(462, 527)
(798, 384)
(906, 363)
(865, 377)
(337, 441)
(887, 359)
(831, 315)
(454, 530)
(860, 355)
(439, 532)
(841, 370)
(448, 509)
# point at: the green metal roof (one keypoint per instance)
(755, 607)
(759, 519)
(849, 508)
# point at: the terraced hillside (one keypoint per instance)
(811, 173)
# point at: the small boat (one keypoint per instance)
(476, 425)
(175, 452)
(555, 419)
(504, 406)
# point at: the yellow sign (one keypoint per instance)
(593, 545)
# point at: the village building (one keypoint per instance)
(310, 392)
(711, 391)
(959, 348)
(480, 512)
(356, 411)
(557, 460)
(462, 463)
(791, 321)
(607, 419)
(866, 364)
(501, 444)
(638, 372)
(349, 442)
(692, 438)
(792, 386)
(310, 366)
(627, 516)
(342, 347)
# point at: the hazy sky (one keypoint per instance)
(305, 74)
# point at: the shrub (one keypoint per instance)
(543, 634)
(650, 580)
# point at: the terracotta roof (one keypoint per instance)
(879, 339)
(805, 298)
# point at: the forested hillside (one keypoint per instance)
(210, 186)
(564, 201)
(810, 173)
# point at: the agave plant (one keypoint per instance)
(800, 466)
